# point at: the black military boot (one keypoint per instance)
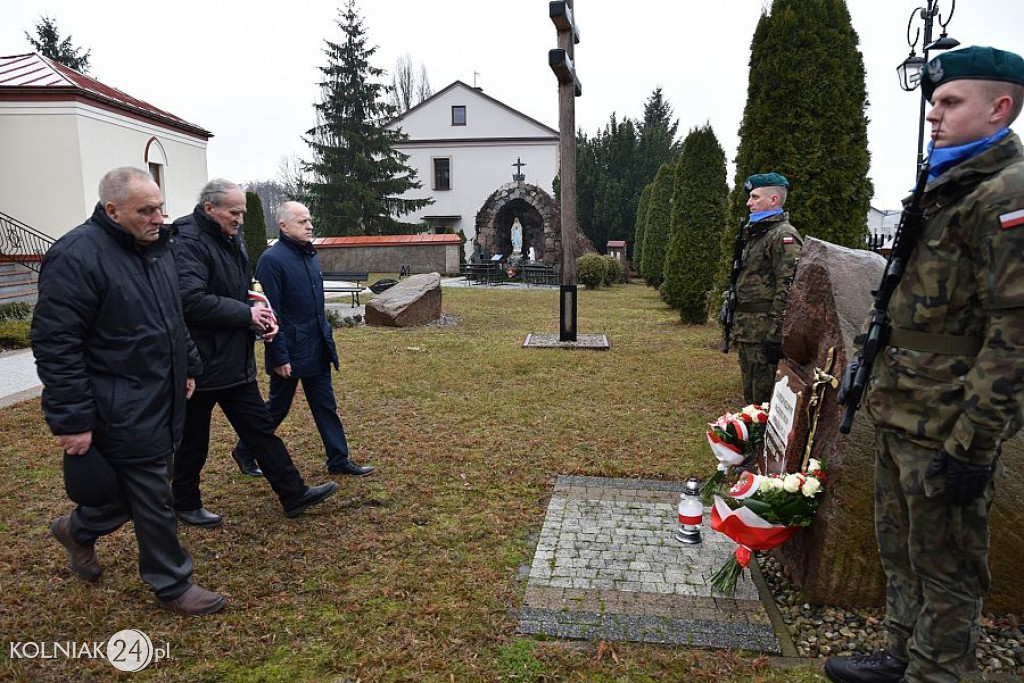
(877, 667)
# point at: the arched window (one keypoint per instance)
(156, 160)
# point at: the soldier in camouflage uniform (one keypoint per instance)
(949, 388)
(762, 288)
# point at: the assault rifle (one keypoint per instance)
(858, 372)
(728, 314)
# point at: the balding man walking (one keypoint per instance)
(304, 348)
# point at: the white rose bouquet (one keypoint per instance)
(735, 440)
(762, 512)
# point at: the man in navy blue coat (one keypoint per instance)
(304, 348)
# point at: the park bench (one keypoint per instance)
(356, 278)
(485, 273)
(540, 274)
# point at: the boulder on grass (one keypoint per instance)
(414, 301)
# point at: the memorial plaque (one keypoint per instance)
(785, 399)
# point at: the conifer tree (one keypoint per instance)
(640, 228)
(699, 208)
(805, 118)
(357, 177)
(49, 44)
(656, 143)
(659, 219)
(254, 229)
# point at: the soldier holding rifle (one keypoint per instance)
(764, 262)
(947, 386)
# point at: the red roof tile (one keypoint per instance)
(385, 240)
(36, 75)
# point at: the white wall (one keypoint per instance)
(41, 171)
(485, 118)
(482, 153)
(477, 170)
(55, 154)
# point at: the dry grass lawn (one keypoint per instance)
(411, 574)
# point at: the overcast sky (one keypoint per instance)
(247, 71)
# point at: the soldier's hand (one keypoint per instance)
(965, 482)
(773, 351)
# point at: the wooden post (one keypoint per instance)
(567, 166)
(561, 62)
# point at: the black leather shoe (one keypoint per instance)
(194, 602)
(352, 469)
(201, 517)
(312, 496)
(81, 557)
(246, 465)
(878, 667)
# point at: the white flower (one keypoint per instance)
(810, 487)
(813, 466)
(771, 484)
(792, 482)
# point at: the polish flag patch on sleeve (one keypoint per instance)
(790, 240)
(1012, 219)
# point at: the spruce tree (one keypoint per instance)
(699, 207)
(640, 229)
(254, 229)
(357, 176)
(805, 117)
(49, 44)
(659, 219)
(656, 144)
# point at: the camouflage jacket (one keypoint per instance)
(769, 262)
(965, 278)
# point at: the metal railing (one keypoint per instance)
(21, 244)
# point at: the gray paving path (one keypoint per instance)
(18, 378)
(607, 566)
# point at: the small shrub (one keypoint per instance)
(14, 334)
(612, 270)
(16, 310)
(590, 270)
(334, 319)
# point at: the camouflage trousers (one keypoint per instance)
(935, 558)
(758, 373)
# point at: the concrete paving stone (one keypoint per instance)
(598, 535)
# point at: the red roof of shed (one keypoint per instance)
(385, 240)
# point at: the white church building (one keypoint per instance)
(465, 146)
(61, 131)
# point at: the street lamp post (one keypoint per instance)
(912, 69)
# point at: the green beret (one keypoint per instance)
(764, 180)
(973, 63)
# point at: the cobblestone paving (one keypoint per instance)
(607, 566)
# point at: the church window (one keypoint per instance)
(442, 173)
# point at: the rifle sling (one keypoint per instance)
(754, 307)
(946, 344)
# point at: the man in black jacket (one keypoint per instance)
(117, 367)
(214, 268)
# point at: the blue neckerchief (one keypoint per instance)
(760, 215)
(945, 158)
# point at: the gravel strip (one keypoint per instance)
(825, 631)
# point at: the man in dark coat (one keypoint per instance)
(214, 268)
(117, 367)
(304, 348)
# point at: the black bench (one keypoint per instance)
(540, 274)
(482, 273)
(357, 277)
